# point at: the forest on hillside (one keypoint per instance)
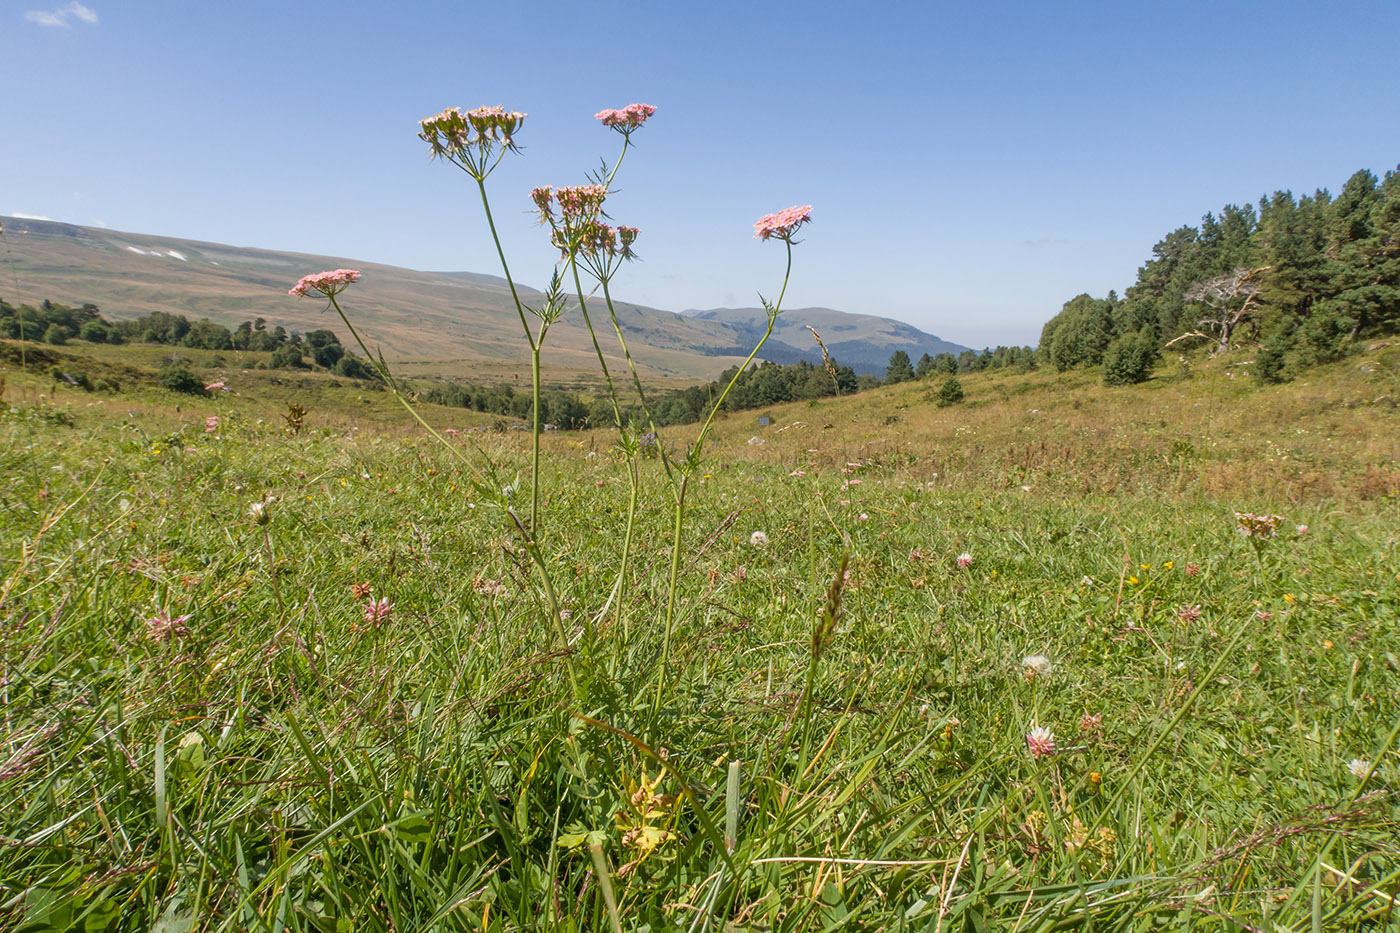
(1299, 279)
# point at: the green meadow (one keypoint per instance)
(1003, 665)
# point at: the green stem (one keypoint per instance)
(671, 586)
(636, 379)
(535, 440)
(772, 318)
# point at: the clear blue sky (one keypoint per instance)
(971, 166)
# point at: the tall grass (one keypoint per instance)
(307, 770)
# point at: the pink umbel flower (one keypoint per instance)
(579, 201)
(782, 224)
(964, 560)
(450, 133)
(377, 613)
(1040, 742)
(627, 119)
(211, 424)
(160, 627)
(1259, 527)
(327, 283)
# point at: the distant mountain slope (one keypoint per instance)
(454, 320)
(862, 341)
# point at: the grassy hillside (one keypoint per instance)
(441, 323)
(1003, 664)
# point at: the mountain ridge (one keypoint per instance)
(451, 322)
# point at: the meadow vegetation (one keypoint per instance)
(346, 709)
(986, 649)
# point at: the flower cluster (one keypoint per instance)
(1040, 741)
(451, 132)
(327, 283)
(627, 119)
(1189, 614)
(782, 224)
(1259, 527)
(160, 627)
(377, 612)
(596, 239)
(964, 560)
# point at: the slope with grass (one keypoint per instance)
(349, 708)
(438, 323)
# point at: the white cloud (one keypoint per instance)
(23, 216)
(60, 16)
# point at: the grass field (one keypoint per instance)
(349, 709)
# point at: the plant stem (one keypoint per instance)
(671, 585)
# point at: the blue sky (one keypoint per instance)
(970, 166)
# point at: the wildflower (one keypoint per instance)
(1168, 565)
(964, 560)
(1189, 614)
(782, 224)
(160, 627)
(758, 539)
(1192, 570)
(578, 202)
(450, 133)
(211, 424)
(1036, 665)
(627, 119)
(1301, 530)
(1095, 778)
(1259, 527)
(327, 283)
(863, 517)
(1359, 768)
(1091, 725)
(260, 513)
(1040, 741)
(360, 590)
(377, 613)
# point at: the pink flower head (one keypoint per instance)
(964, 560)
(452, 131)
(1189, 614)
(1259, 527)
(377, 613)
(627, 119)
(1091, 725)
(580, 201)
(160, 627)
(1192, 570)
(1040, 741)
(782, 224)
(544, 203)
(211, 424)
(327, 283)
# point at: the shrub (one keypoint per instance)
(178, 378)
(56, 335)
(93, 332)
(950, 392)
(1129, 360)
(286, 356)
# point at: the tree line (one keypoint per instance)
(1302, 280)
(56, 324)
